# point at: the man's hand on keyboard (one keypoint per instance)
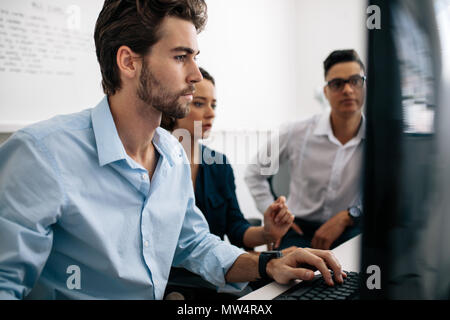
(300, 263)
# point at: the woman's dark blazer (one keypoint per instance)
(215, 196)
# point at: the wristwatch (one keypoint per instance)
(355, 213)
(264, 258)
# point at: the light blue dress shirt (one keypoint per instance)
(80, 219)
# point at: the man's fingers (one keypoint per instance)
(331, 261)
(306, 256)
(299, 263)
(288, 250)
(302, 274)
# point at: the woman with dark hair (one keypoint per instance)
(213, 178)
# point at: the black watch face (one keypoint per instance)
(274, 254)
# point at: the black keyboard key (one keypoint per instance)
(317, 289)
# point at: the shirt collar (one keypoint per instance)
(167, 146)
(323, 127)
(109, 145)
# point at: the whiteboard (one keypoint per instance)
(48, 64)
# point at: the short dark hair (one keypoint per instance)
(135, 23)
(167, 122)
(339, 56)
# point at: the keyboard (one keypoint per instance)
(317, 289)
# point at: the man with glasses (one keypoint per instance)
(324, 154)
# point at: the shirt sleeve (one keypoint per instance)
(204, 253)
(261, 168)
(30, 197)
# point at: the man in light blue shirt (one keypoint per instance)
(99, 204)
(70, 195)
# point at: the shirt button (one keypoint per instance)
(146, 244)
(143, 176)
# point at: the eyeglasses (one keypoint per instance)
(339, 84)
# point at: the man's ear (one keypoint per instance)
(127, 61)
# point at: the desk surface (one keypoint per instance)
(347, 253)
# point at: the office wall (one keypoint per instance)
(267, 55)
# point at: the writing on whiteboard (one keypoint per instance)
(46, 40)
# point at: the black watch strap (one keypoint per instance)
(355, 213)
(264, 258)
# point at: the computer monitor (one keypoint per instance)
(406, 184)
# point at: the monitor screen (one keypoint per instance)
(406, 223)
(418, 80)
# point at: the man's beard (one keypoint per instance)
(153, 94)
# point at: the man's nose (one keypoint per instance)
(347, 88)
(194, 75)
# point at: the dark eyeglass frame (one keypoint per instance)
(338, 84)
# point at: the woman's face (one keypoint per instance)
(201, 109)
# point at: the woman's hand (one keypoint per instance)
(277, 220)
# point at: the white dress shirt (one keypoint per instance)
(325, 175)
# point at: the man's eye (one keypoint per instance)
(198, 104)
(356, 81)
(336, 83)
(180, 58)
(213, 106)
